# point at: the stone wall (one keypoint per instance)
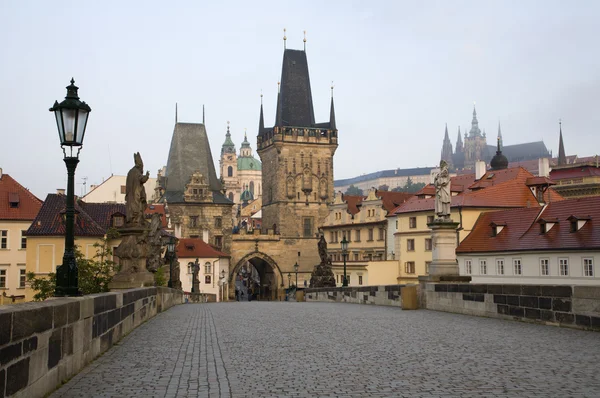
(377, 295)
(572, 306)
(43, 344)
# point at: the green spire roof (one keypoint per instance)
(228, 145)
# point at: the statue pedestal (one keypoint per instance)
(132, 253)
(444, 242)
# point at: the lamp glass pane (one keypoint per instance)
(81, 123)
(344, 244)
(68, 116)
(59, 124)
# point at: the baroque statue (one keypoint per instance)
(442, 192)
(322, 275)
(135, 193)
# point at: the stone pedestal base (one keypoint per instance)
(132, 253)
(444, 242)
(131, 280)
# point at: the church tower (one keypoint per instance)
(447, 149)
(228, 166)
(297, 156)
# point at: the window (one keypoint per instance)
(563, 266)
(123, 189)
(229, 171)
(468, 267)
(410, 245)
(588, 267)
(429, 219)
(357, 235)
(22, 277)
(207, 268)
(218, 241)
(518, 267)
(23, 240)
(412, 222)
(218, 222)
(336, 237)
(348, 236)
(428, 244)
(230, 196)
(308, 227)
(370, 234)
(331, 240)
(573, 225)
(193, 221)
(360, 279)
(381, 233)
(396, 224)
(355, 256)
(252, 187)
(190, 268)
(3, 239)
(544, 266)
(483, 267)
(409, 267)
(207, 279)
(348, 279)
(118, 221)
(500, 266)
(2, 278)
(427, 264)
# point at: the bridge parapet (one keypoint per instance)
(42, 344)
(389, 295)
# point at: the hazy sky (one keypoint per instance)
(401, 70)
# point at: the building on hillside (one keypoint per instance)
(112, 190)
(556, 244)
(471, 194)
(297, 185)
(395, 178)
(212, 263)
(578, 179)
(362, 221)
(250, 215)
(192, 193)
(239, 173)
(475, 148)
(18, 208)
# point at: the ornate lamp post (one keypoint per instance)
(71, 119)
(344, 244)
(171, 251)
(296, 266)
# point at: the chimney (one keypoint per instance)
(479, 169)
(60, 191)
(544, 167)
(0, 173)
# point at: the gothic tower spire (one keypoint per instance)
(447, 148)
(459, 143)
(562, 158)
(500, 136)
(332, 112)
(261, 120)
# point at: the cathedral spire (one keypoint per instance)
(475, 131)
(176, 113)
(500, 136)
(332, 112)
(562, 158)
(447, 148)
(261, 120)
(459, 143)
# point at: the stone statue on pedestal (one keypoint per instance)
(442, 192)
(135, 248)
(322, 275)
(195, 280)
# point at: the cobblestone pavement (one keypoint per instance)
(269, 349)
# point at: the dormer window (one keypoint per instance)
(497, 228)
(576, 223)
(13, 200)
(547, 224)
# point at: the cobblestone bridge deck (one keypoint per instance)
(273, 349)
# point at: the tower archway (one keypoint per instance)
(258, 276)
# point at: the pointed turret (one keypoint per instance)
(447, 148)
(228, 145)
(459, 143)
(475, 131)
(261, 119)
(499, 161)
(500, 136)
(332, 113)
(295, 106)
(562, 158)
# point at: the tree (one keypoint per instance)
(94, 273)
(410, 187)
(383, 187)
(355, 191)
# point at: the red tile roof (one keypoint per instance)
(197, 248)
(160, 209)
(522, 232)
(574, 172)
(504, 188)
(390, 200)
(11, 191)
(458, 184)
(353, 202)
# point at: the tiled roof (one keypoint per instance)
(102, 213)
(28, 204)
(160, 209)
(458, 183)
(390, 200)
(49, 220)
(506, 188)
(522, 232)
(197, 248)
(574, 172)
(353, 202)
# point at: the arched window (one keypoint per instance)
(252, 188)
(230, 171)
(230, 196)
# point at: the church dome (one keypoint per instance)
(499, 161)
(248, 163)
(247, 196)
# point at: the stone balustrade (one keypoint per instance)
(43, 344)
(377, 295)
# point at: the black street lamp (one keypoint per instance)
(296, 266)
(289, 281)
(71, 120)
(171, 251)
(344, 244)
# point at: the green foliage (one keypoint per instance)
(43, 285)
(352, 190)
(159, 277)
(94, 273)
(409, 187)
